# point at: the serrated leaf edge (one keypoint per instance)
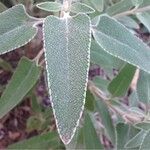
(81, 112)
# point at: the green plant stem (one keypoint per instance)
(38, 56)
(133, 11)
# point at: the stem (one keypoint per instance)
(128, 116)
(37, 58)
(132, 12)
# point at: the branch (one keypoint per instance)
(128, 116)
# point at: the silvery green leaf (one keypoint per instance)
(67, 69)
(118, 41)
(144, 18)
(136, 140)
(120, 7)
(128, 22)
(50, 6)
(81, 8)
(145, 142)
(143, 87)
(14, 28)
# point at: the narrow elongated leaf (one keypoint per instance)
(120, 42)
(136, 140)
(24, 78)
(143, 87)
(120, 7)
(106, 120)
(122, 135)
(144, 17)
(145, 143)
(50, 6)
(2, 7)
(67, 69)
(81, 8)
(44, 142)
(91, 139)
(120, 84)
(144, 125)
(14, 28)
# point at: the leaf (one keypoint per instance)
(143, 125)
(91, 139)
(143, 87)
(145, 142)
(24, 78)
(144, 17)
(106, 120)
(15, 30)
(136, 140)
(50, 6)
(2, 7)
(89, 102)
(120, 7)
(98, 4)
(67, 69)
(81, 8)
(118, 41)
(120, 84)
(44, 142)
(128, 22)
(122, 134)
(100, 57)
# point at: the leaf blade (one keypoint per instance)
(19, 85)
(67, 77)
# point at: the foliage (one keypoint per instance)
(79, 35)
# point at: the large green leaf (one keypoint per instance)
(15, 28)
(143, 87)
(67, 69)
(120, 84)
(118, 41)
(143, 125)
(90, 136)
(24, 78)
(106, 120)
(44, 142)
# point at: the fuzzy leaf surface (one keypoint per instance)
(15, 28)
(67, 46)
(118, 41)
